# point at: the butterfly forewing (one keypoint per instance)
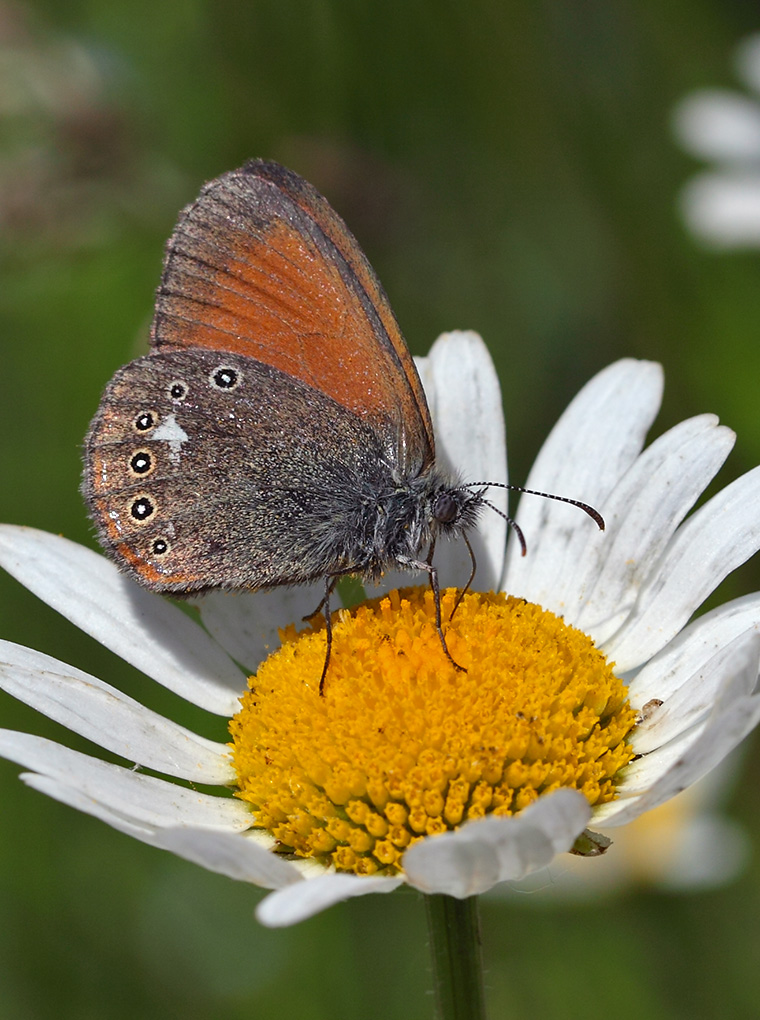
(261, 266)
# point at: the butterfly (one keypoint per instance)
(277, 432)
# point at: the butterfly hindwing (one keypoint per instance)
(206, 469)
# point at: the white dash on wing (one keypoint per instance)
(171, 432)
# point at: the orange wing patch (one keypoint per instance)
(261, 266)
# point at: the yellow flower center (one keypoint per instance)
(402, 745)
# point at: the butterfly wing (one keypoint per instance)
(206, 469)
(260, 265)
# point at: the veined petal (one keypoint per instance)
(484, 852)
(732, 682)
(144, 832)
(72, 797)
(140, 627)
(641, 516)
(101, 713)
(296, 902)
(590, 448)
(689, 705)
(465, 404)
(715, 540)
(464, 397)
(670, 769)
(142, 800)
(235, 855)
(674, 666)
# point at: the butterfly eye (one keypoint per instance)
(160, 547)
(178, 389)
(145, 421)
(225, 378)
(141, 463)
(142, 508)
(445, 508)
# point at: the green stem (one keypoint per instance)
(454, 929)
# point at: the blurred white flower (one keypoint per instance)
(721, 206)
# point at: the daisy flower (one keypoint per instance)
(589, 697)
(722, 205)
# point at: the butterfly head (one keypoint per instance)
(414, 515)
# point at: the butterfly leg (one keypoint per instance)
(330, 583)
(432, 573)
(470, 579)
(324, 606)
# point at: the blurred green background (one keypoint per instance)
(508, 167)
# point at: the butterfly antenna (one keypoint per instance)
(593, 514)
(510, 521)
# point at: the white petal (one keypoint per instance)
(723, 209)
(642, 774)
(694, 646)
(589, 449)
(259, 871)
(296, 902)
(468, 417)
(464, 397)
(718, 124)
(74, 798)
(491, 850)
(670, 769)
(96, 710)
(735, 686)
(641, 515)
(715, 540)
(140, 627)
(687, 706)
(139, 799)
(232, 854)
(246, 623)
